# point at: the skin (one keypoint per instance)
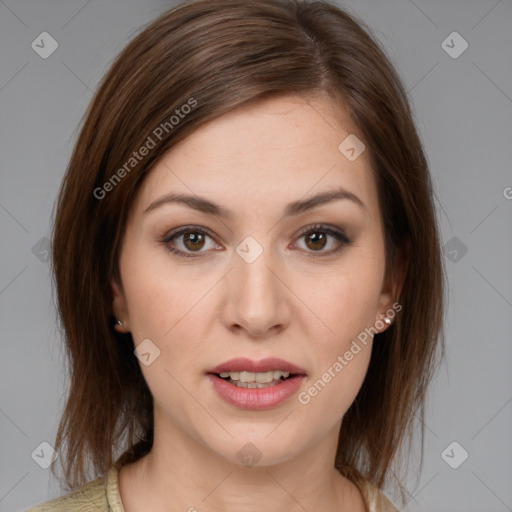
(204, 310)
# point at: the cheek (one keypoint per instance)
(336, 381)
(346, 307)
(344, 303)
(159, 299)
(154, 307)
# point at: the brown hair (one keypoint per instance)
(214, 55)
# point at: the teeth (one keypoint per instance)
(252, 378)
(252, 385)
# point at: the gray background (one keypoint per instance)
(463, 108)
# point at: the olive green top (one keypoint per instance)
(102, 495)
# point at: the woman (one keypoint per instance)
(248, 268)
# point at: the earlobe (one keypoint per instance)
(119, 327)
(119, 308)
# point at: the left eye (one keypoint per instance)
(316, 238)
(194, 239)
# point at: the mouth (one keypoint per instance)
(249, 384)
(253, 380)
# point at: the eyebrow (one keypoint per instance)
(294, 208)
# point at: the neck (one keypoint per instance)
(185, 475)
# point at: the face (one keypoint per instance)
(248, 268)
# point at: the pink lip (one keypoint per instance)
(242, 364)
(254, 398)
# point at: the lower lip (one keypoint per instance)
(256, 398)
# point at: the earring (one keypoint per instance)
(118, 326)
(387, 320)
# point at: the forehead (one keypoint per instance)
(266, 152)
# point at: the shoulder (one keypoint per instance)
(376, 500)
(91, 496)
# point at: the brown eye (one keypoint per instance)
(186, 242)
(317, 238)
(193, 240)
(316, 241)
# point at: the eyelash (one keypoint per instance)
(339, 235)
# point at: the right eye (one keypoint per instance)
(193, 240)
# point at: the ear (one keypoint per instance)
(119, 307)
(394, 281)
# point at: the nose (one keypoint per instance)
(256, 297)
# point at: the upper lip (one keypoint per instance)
(241, 364)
